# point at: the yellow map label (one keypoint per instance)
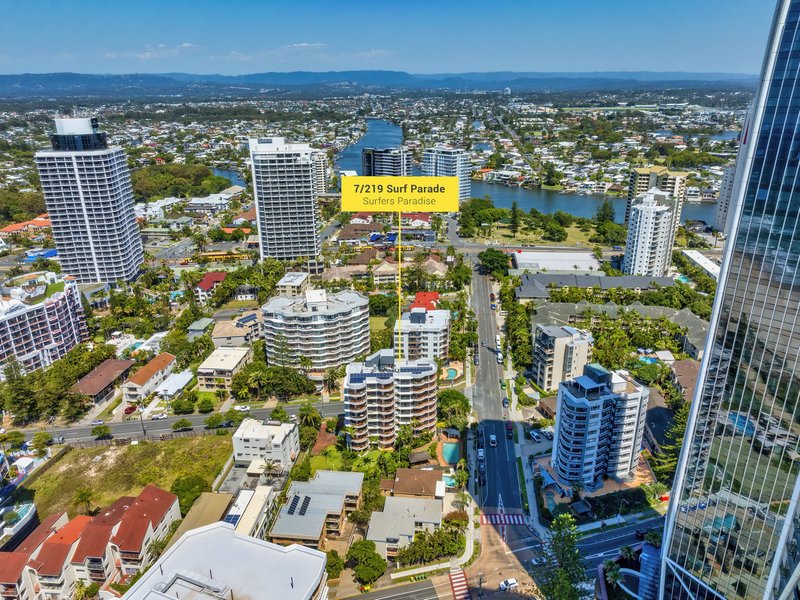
(395, 194)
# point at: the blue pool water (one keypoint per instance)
(742, 423)
(451, 453)
(449, 481)
(648, 360)
(136, 345)
(550, 500)
(451, 373)
(683, 279)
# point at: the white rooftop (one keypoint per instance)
(702, 261)
(556, 261)
(68, 126)
(293, 278)
(253, 428)
(224, 359)
(275, 145)
(214, 562)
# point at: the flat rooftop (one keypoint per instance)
(556, 261)
(224, 359)
(293, 278)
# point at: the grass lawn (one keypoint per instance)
(109, 411)
(377, 323)
(240, 304)
(575, 237)
(330, 460)
(51, 289)
(114, 471)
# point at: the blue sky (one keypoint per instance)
(431, 36)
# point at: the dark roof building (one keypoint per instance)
(537, 286)
(100, 381)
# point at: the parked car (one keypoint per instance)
(483, 343)
(509, 426)
(476, 359)
(493, 441)
(481, 467)
(499, 358)
(539, 561)
(502, 384)
(482, 479)
(508, 584)
(158, 417)
(640, 533)
(505, 402)
(481, 454)
(494, 306)
(241, 408)
(97, 422)
(536, 437)
(130, 409)
(548, 435)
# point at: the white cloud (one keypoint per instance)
(305, 46)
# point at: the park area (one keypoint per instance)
(114, 471)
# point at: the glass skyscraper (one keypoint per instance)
(733, 527)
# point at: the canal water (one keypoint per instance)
(383, 134)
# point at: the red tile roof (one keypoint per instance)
(39, 535)
(94, 540)
(426, 300)
(159, 363)
(149, 508)
(248, 215)
(230, 230)
(54, 552)
(211, 279)
(11, 567)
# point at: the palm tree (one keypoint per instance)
(83, 498)
(331, 380)
(628, 553)
(271, 467)
(309, 415)
(257, 380)
(612, 573)
(305, 363)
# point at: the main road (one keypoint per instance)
(136, 428)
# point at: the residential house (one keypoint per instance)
(99, 384)
(145, 381)
(384, 274)
(206, 286)
(400, 520)
(293, 284)
(241, 331)
(417, 483)
(315, 510)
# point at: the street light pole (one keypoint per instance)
(141, 422)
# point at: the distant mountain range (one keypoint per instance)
(58, 85)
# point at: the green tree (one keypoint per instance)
(367, 564)
(494, 261)
(101, 431)
(335, 565)
(205, 406)
(83, 498)
(182, 425)
(612, 349)
(309, 416)
(11, 440)
(214, 421)
(188, 488)
(605, 213)
(279, 414)
(564, 570)
(10, 517)
(612, 573)
(41, 440)
(514, 219)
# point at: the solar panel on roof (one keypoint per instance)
(293, 505)
(248, 318)
(304, 506)
(232, 519)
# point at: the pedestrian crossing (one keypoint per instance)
(495, 519)
(458, 583)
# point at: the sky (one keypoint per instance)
(431, 36)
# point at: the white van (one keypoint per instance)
(508, 584)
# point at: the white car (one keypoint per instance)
(508, 584)
(493, 441)
(158, 417)
(241, 408)
(481, 454)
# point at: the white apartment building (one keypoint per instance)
(382, 394)
(271, 441)
(382, 162)
(38, 334)
(724, 217)
(330, 329)
(216, 372)
(215, 561)
(89, 198)
(444, 161)
(286, 184)
(559, 353)
(423, 333)
(652, 225)
(645, 179)
(600, 418)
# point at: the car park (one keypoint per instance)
(493, 441)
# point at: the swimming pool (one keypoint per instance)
(449, 481)
(648, 360)
(451, 374)
(741, 423)
(451, 453)
(683, 279)
(550, 500)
